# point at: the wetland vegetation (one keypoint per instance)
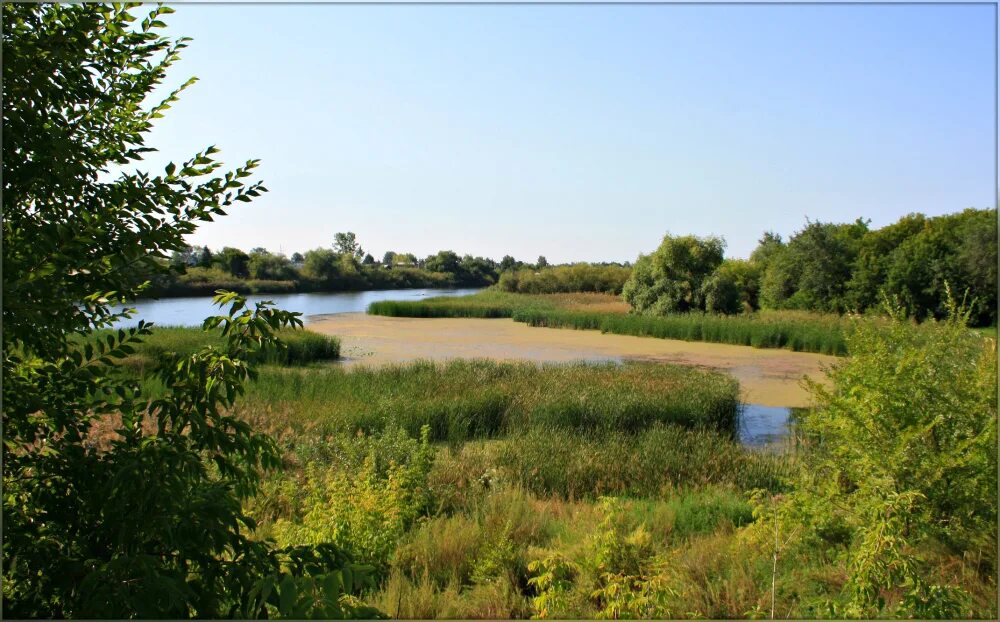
(240, 472)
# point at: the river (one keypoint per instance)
(191, 311)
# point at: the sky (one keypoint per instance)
(582, 133)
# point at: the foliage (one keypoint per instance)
(578, 277)
(812, 270)
(365, 510)
(347, 244)
(902, 459)
(733, 287)
(144, 520)
(670, 280)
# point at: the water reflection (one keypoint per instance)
(191, 311)
(764, 425)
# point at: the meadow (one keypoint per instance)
(556, 490)
(800, 331)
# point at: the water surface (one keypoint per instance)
(191, 311)
(764, 425)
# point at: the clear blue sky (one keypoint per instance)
(583, 132)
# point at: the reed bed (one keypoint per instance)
(302, 346)
(462, 400)
(651, 463)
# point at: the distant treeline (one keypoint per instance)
(829, 267)
(347, 267)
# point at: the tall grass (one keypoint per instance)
(486, 399)
(302, 346)
(650, 463)
(794, 330)
(798, 331)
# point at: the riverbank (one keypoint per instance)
(767, 377)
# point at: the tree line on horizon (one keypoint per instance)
(829, 268)
(344, 266)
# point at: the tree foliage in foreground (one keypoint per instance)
(117, 505)
(901, 463)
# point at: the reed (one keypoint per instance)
(462, 400)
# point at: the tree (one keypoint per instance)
(733, 287)
(321, 265)
(542, 262)
(297, 258)
(347, 244)
(508, 263)
(270, 266)
(670, 280)
(444, 261)
(143, 519)
(205, 258)
(234, 261)
(368, 260)
(812, 271)
(388, 258)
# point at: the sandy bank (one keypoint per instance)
(768, 377)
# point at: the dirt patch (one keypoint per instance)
(769, 377)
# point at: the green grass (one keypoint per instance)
(647, 464)
(988, 331)
(303, 346)
(462, 400)
(793, 330)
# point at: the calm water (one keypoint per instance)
(763, 425)
(192, 311)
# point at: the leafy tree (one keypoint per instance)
(368, 260)
(297, 258)
(321, 265)
(812, 271)
(769, 245)
(387, 259)
(444, 261)
(258, 250)
(542, 262)
(670, 280)
(347, 244)
(115, 504)
(733, 287)
(234, 261)
(508, 263)
(874, 260)
(270, 266)
(205, 258)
